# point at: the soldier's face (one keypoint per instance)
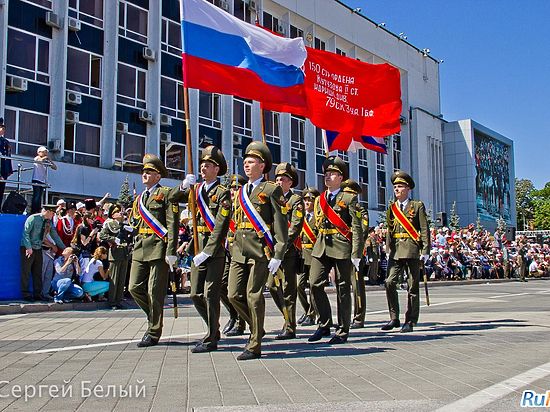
(401, 191)
(308, 204)
(150, 178)
(209, 171)
(285, 182)
(253, 167)
(333, 180)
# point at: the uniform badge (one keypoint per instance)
(159, 197)
(262, 197)
(175, 208)
(214, 198)
(284, 210)
(225, 212)
(358, 214)
(342, 205)
(299, 213)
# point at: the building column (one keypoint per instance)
(311, 163)
(152, 140)
(3, 53)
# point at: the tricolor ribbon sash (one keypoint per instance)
(254, 217)
(204, 210)
(150, 220)
(334, 217)
(309, 232)
(405, 222)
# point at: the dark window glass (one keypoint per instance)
(92, 7)
(137, 20)
(87, 139)
(33, 128)
(95, 75)
(167, 93)
(43, 55)
(78, 63)
(126, 80)
(21, 49)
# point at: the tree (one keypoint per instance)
(541, 202)
(479, 226)
(501, 224)
(429, 215)
(455, 219)
(125, 198)
(524, 202)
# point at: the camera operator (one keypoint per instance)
(85, 238)
(67, 271)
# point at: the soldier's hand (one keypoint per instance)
(171, 260)
(128, 228)
(273, 265)
(200, 258)
(356, 262)
(189, 180)
(424, 258)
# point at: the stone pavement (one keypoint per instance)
(476, 347)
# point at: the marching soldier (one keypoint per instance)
(286, 177)
(155, 215)
(372, 248)
(213, 214)
(260, 243)
(309, 237)
(407, 242)
(339, 246)
(235, 325)
(119, 238)
(358, 280)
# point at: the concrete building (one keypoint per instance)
(99, 83)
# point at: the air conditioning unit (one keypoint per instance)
(145, 116)
(121, 127)
(237, 140)
(16, 84)
(74, 97)
(71, 117)
(237, 153)
(294, 154)
(165, 137)
(54, 145)
(281, 29)
(403, 120)
(165, 120)
(74, 24)
(149, 54)
(53, 20)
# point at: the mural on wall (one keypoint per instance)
(492, 178)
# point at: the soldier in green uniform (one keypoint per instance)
(119, 237)
(213, 202)
(260, 243)
(407, 242)
(309, 236)
(235, 325)
(286, 177)
(155, 215)
(339, 246)
(372, 247)
(358, 279)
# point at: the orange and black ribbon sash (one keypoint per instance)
(309, 232)
(334, 217)
(405, 222)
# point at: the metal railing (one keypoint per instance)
(19, 170)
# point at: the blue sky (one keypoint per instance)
(496, 67)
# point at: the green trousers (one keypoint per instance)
(289, 268)
(206, 283)
(303, 284)
(224, 295)
(359, 294)
(148, 286)
(395, 273)
(117, 279)
(245, 289)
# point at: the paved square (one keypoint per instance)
(468, 346)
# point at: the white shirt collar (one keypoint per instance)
(207, 186)
(403, 204)
(256, 182)
(335, 192)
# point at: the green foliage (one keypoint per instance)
(541, 209)
(524, 202)
(125, 197)
(454, 221)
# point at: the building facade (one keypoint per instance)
(99, 82)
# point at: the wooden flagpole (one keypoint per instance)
(190, 168)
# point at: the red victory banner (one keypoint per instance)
(350, 96)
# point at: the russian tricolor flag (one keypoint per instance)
(345, 142)
(224, 54)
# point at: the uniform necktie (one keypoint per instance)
(249, 189)
(145, 196)
(402, 206)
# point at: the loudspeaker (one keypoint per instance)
(441, 219)
(14, 204)
(510, 233)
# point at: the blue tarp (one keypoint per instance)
(11, 228)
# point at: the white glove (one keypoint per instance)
(424, 258)
(356, 262)
(117, 241)
(129, 228)
(188, 181)
(273, 265)
(200, 258)
(370, 260)
(171, 260)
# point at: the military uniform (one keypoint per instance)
(334, 250)
(149, 271)
(358, 280)
(404, 253)
(372, 249)
(309, 315)
(249, 264)
(294, 210)
(206, 278)
(119, 238)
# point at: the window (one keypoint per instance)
(28, 56)
(297, 133)
(83, 72)
(82, 144)
(44, 3)
(381, 180)
(173, 155)
(131, 86)
(271, 126)
(342, 155)
(129, 151)
(132, 22)
(270, 22)
(295, 32)
(30, 130)
(320, 144)
(319, 44)
(364, 183)
(210, 109)
(171, 37)
(396, 151)
(171, 97)
(242, 10)
(340, 52)
(363, 158)
(87, 11)
(242, 117)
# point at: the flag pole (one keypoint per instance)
(325, 142)
(190, 168)
(264, 141)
